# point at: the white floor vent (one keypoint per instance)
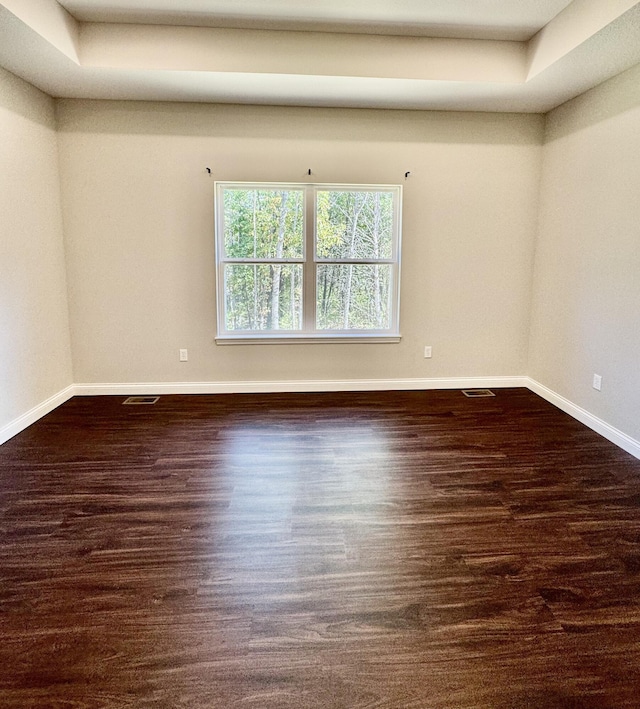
(137, 400)
(477, 393)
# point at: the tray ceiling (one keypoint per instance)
(466, 55)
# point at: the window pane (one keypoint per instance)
(353, 297)
(263, 296)
(354, 224)
(263, 223)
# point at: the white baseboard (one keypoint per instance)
(622, 440)
(294, 386)
(17, 425)
(611, 433)
(37, 412)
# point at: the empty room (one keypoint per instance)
(319, 354)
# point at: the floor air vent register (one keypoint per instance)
(140, 400)
(477, 393)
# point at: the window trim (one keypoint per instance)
(310, 262)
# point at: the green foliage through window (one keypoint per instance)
(263, 296)
(354, 224)
(263, 223)
(353, 297)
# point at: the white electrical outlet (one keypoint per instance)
(597, 382)
(427, 352)
(184, 356)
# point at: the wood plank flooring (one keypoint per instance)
(414, 550)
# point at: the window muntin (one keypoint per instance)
(307, 261)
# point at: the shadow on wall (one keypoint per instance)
(25, 100)
(614, 97)
(277, 122)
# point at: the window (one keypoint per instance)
(307, 262)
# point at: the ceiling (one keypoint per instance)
(483, 55)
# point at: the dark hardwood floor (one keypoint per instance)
(399, 549)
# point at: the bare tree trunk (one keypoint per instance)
(292, 297)
(357, 208)
(292, 280)
(376, 253)
(254, 324)
(276, 269)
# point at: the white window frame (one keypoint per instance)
(309, 261)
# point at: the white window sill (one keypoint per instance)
(306, 339)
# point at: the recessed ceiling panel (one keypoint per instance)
(482, 19)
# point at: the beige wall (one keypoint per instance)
(586, 307)
(35, 358)
(138, 208)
